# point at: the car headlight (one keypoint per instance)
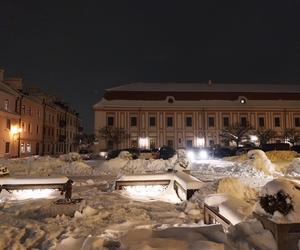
(191, 155)
(203, 154)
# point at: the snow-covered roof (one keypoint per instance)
(205, 87)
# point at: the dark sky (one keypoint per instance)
(76, 49)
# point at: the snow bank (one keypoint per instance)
(280, 201)
(261, 162)
(234, 187)
(294, 168)
(72, 156)
(281, 155)
(45, 166)
(250, 235)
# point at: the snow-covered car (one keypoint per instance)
(3, 171)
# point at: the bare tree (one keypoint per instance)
(236, 132)
(113, 134)
(264, 135)
(291, 135)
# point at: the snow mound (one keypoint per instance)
(280, 155)
(45, 166)
(70, 157)
(280, 201)
(125, 155)
(294, 168)
(261, 162)
(234, 187)
(250, 235)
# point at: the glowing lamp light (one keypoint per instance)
(203, 154)
(143, 142)
(32, 193)
(15, 130)
(191, 155)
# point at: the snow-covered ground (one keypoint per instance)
(108, 219)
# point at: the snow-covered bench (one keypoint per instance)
(184, 184)
(225, 209)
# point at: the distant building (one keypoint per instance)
(192, 114)
(33, 122)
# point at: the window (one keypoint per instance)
(28, 147)
(23, 126)
(37, 129)
(23, 109)
(189, 143)
(169, 121)
(29, 128)
(188, 121)
(152, 121)
(211, 142)
(261, 121)
(297, 121)
(22, 149)
(170, 143)
(110, 121)
(6, 104)
(244, 121)
(152, 143)
(211, 121)
(134, 143)
(277, 122)
(225, 121)
(7, 147)
(133, 121)
(8, 124)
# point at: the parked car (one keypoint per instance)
(221, 152)
(296, 148)
(85, 154)
(113, 154)
(166, 152)
(275, 146)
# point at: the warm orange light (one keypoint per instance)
(15, 130)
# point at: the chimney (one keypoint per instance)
(14, 82)
(1, 75)
(209, 82)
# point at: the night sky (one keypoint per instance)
(76, 50)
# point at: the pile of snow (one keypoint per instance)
(250, 235)
(294, 168)
(280, 201)
(45, 166)
(119, 166)
(125, 155)
(232, 208)
(70, 157)
(261, 162)
(281, 155)
(234, 187)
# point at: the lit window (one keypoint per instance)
(28, 147)
(22, 149)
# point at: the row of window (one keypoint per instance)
(211, 121)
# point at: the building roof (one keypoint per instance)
(205, 87)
